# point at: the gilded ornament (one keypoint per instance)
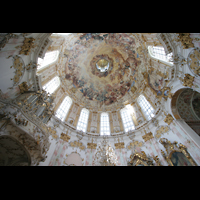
(19, 69)
(185, 40)
(5, 40)
(91, 145)
(65, 137)
(194, 60)
(161, 130)
(169, 119)
(188, 80)
(119, 145)
(176, 154)
(77, 144)
(147, 136)
(157, 160)
(133, 144)
(140, 159)
(23, 87)
(28, 44)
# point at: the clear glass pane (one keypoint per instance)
(52, 85)
(49, 58)
(147, 109)
(64, 108)
(104, 125)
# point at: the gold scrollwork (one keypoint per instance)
(177, 154)
(77, 144)
(133, 144)
(188, 80)
(65, 137)
(140, 159)
(19, 69)
(91, 145)
(161, 130)
(52, 132)
(168, 119)
(28, 44)
(147, 136)
(23, 87)
(185, 40)
(193, 61)
(119, 145)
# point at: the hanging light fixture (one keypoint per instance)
(105, 155)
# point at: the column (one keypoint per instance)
(120, 121)
(89, 121)
(134, 117)
(111, 122)
(139, 108)
(59, 102)
(77, 116)
(98, 123)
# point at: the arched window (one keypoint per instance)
(147, 109)
(62, 111)
(159, 53)
(49, 58)
(127, 119)
(105, 124)
(83, 120)
(52, 85)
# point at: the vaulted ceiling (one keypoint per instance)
(81, 78)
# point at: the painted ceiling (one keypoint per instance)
(85, 81)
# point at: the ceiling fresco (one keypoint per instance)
(84, 51)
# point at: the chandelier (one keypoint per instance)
(105, 155)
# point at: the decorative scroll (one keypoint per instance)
(77, 144)
(18, 65)
(140, 159)
(177, 154)
(65, 137)
(28, 44)
(169, 119)
(147, 136)
(188, 80)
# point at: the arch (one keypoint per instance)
(63, 109)
(184, 112)
(83, 120)
(49, 58)
(13, 153)
(105, 124)
(52, 85)
(185, 105)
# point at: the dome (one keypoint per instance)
(102, 70)
(106, 99)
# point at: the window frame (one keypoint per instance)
(164, 61)
(50, 63)
(48, 85)
(79, 120)
(147, 108)
(128, 115)
(67, 98)
(105, 113)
